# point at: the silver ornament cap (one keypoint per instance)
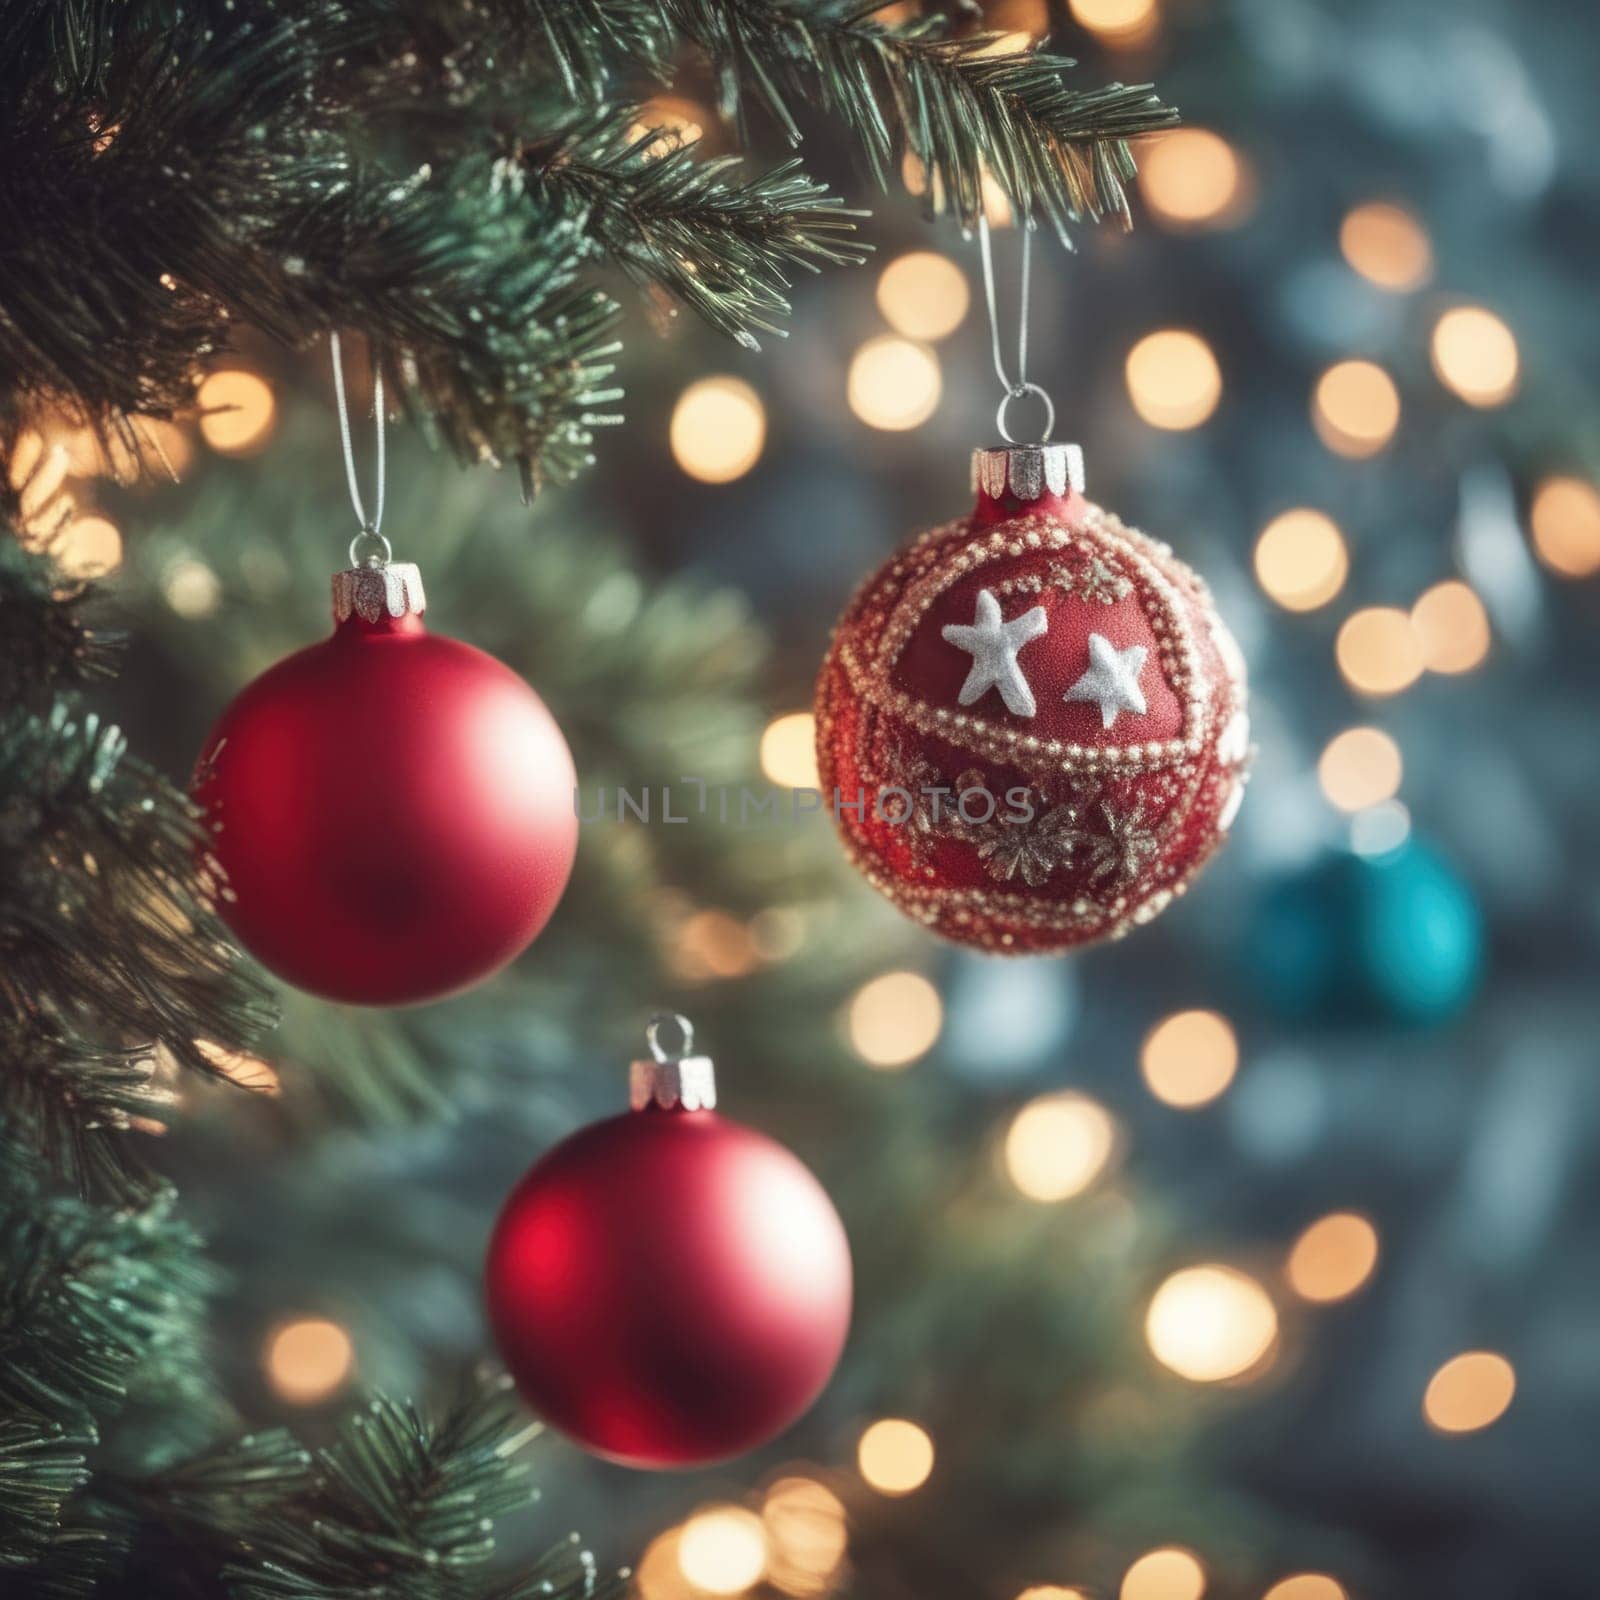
(378, 589)
(1028, 471)
(672, 1079)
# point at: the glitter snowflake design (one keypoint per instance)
(1096, 582)
(1030, 850)
(1124, 849)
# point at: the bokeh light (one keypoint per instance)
(88, 547)
(1360, 767)
(1379, 829)
(789, 751)
(923, 295)
(1058, 1145)
(1355, 408)
(723, 1550)
(895, 1456)
(894, 384)
(1475, 355)
(1452, 627)
(1378, 651)
(718, 429)
(1306, 1586)
(1300, 559)
(1191, 178)
(1387, 246)
(713, 944)
(191, 588)
(1469, 1392)
(1211, 1323)
(308, 1360)
(1166, 1574)
(1173, 379)
(237, 412)
(807, 1535)
(1189, 1058)
(894, 1019)
(1051, 1591)
(1565, 517)
(659, 1576)
(1333, 1257)
(1118, 22)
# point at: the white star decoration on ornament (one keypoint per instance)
(1112, 681)
(993, 646)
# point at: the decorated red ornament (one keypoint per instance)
(1032, 720)
(669, 1288)
(391, 811)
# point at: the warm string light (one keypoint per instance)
(894, 384)
(1192, 178)
(1333, 1258)
(789, 751)
(1189, 1058)
(1119, 23)
(723, 1550)
(1360, 767)
(1565, 521)
(807, 1536)
(1300, 559)
(713, 944)
(718, 429)
(895, 1457)
(1058, 1145)
(1469, 1392)
(1452, 628)
(1475, 356)
(237, 412)
(1211, 1323)
(1051, 1591)
(923, 295)
(1387, 246)
(1355, 408)
(1378, 651)
(308, 1360)
(894, 1019)
(1170, 1573)
(1306, 1586)
(88, 547)
(1173, 379)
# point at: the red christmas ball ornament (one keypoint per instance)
(390, 811)
(1032, 721)
(669, 1288)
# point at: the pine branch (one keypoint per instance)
(1059, 153)
(41, 1467)
(722, 245)
(51, 641)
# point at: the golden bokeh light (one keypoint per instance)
(893, 384)
(1469, 1392)
(237, 412)
(894, 1019)
(672, 119)
(1387, 246)
(1051, 1591)
(723, 1550)
(1306, 1586)
(1452, 627)
(895, 1456)
(1475, 355)
(658, 1575)
(1355, 408)
(718, 429)
(192, 588)
(1191, 178)
(789, 751)
(1300, 559)
(88, 547)
(923, 295)
(807, 1535)
(713, 944)
(240, 1067)
(1166, 1574)
(1118, 22)
(1173, 379)
(1333, 1257)
(308, 1360)
(1360, 767)
(1565, 518)
(1189, 1058)
(1211, 1323)
(1378, 651)
(1058, 1145)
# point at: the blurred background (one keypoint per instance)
(1249, 1257)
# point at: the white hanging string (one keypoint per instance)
(371, 527)
(1013, 391)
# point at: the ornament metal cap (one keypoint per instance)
(378, 589)
(672, 1080)
(1028, 470)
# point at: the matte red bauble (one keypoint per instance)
(390, 811)
(1032, 721)
(669, 1288)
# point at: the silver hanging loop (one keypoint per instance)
(680, 1024)
(672, 1079)
(1021, 387)
(371, 527)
